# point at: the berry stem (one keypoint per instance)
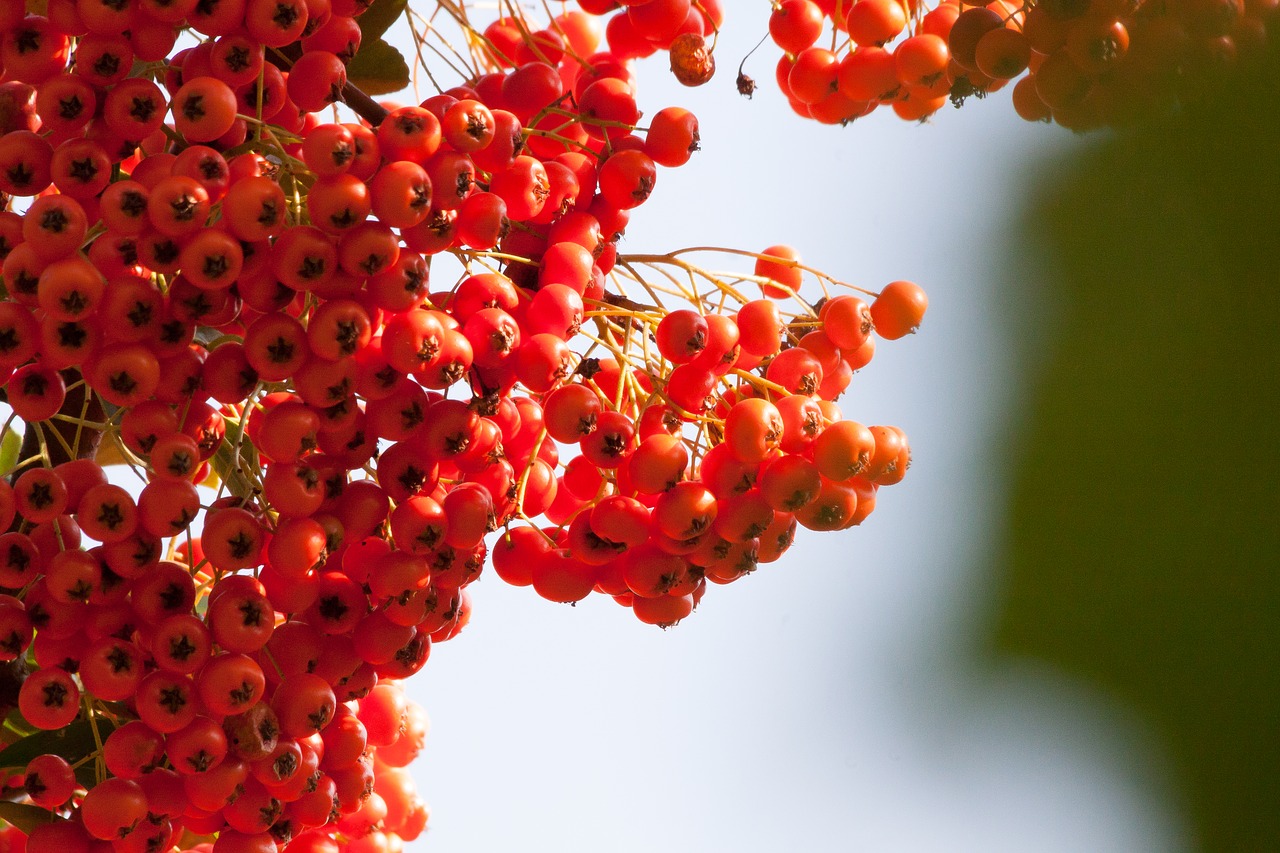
(99, 766)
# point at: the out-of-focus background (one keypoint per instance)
(1057, 634)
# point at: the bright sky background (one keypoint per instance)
(831, 701)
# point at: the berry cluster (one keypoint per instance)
(208, 283)
(1080, 63)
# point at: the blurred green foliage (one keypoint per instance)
(1144, 531)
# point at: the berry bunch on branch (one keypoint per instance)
(256, 452)
(1080, 63)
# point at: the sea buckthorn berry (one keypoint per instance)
(899, 309)
(789, 482)
(113, 808)
(49, 698)
(304, 704)
(468, 125)
(843, 450)
(401, 194)
(316, 80)
(232, 539)
(779, 266)
(276, 23)
(409, 133)
(846, 320)
(967, 30)
(627, 179)
(813, 75)
(203, 109)
(112, 669)
(66, 103)
(49, 780)
(40, 495)
(338, 203)
(107, 513)
(795, 24)
(181, 643)
(1003, 53)
(230, 684)
(673, 137)
(832, 509)
(178, 206)
(54, 227)
(753, 429)
(34, 50)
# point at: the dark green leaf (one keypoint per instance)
(378, 69)
(378, 18)
(73, 743)
(25, 817)
(18, 724)
(1143, 568)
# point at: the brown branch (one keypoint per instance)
(362, 105)
(620, 301)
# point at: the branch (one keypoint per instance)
(620, 301)
(362, 105)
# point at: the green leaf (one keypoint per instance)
(378, 18)
(230, 469)
(1140, 571)
(10, 447)
(378, 69)
(18, 724)
(72, 742)
(25, 817)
